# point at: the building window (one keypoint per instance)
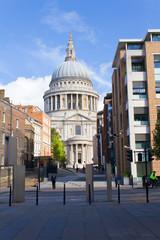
(78, 130)
(26, 110)
(140, 119)
(17, 123)
(157, 89)
(58, 102)
(134, 46)
(157, 75)
(139, 90)
(26, 145)
(138, 65)
(69, 101)
(156, 61)
(158, 113)
(156, 37)
(3, 117)
(142, 144)
(142, 141)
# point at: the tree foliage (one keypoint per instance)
(57, 147)
(156, 139)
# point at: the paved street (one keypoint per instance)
(133, 218)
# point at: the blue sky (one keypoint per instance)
(35, 33)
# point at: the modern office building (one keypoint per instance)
(136, 101)
(71, 103)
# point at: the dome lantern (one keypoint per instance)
(70, 50)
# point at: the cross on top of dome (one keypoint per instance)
(70, 50)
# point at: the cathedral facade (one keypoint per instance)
(71, 103)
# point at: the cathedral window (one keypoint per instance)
(78, 130)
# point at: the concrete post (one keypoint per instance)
(89, 179)
(109, 182)
(18, 183)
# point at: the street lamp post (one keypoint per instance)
(146, 182)
(39, 173)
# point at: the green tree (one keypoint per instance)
(57, 147)
(156, 139)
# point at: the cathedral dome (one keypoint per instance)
(70, 68)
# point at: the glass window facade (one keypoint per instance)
(140, 119)
(157, 75)
(139, 90)
(156, 37)
(134, 46)
(138, 66)
(142, 144)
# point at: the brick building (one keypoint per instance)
(29, 143)
(136, 101)
(12, 123)
(42, 119)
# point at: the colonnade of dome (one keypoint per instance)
(71, 101)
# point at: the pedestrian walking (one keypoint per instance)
(77, 169)
(53, 179)
(153, 178)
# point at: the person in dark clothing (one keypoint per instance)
(77, 169)
(53, 179)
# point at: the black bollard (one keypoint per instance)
(37, 194)
(89, 190)
(147, 199)
(116, 182)
(132, 181)
(64, 194)
(10, 193)
(118, 193)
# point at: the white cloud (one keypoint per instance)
(100, 104)
(96, 76)
(43, 52)
(105, 67)
(27, 91)
(67, 22)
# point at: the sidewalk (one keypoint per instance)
(77, 220)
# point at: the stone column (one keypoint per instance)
(91, 102)
(76, 100)
(71, 101)
(71, 155)
(94, 103)
(82, 155)
(51, 104)
(55, 102)
(76, 156)
(66, 101)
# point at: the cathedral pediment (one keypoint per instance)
(78, 117)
